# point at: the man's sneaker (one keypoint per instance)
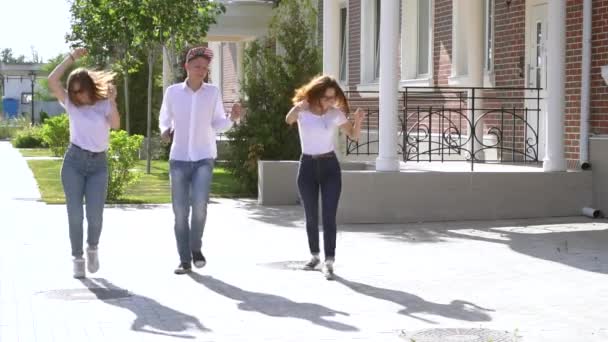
(312, 264)
(92, 260)
(183, 268)
(79, 268)
(328, 270)
(199, 259)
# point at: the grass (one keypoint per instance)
(151, 188)
(36, 152)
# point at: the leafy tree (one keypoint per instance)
(127, 27)
(6, 56)
(171, 25)
(43, 92)
(103, 27)
(268, 86)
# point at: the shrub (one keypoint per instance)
(56, 134)
(30, 137)
(10, 127)
(123, 155)
(268, 86)
(43, 116)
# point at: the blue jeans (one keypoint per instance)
(190, 187)
(322, 174)
(84, 175)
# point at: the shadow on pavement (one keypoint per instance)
(273, 305)
(412, 304)
(169, 322)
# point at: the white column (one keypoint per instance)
(389, 44)
(473, 19)
(556, 76)
(331, 52)
(331, 38)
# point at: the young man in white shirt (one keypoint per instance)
(192, 113)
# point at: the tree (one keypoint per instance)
(172, 25)
(35, 56)
(43, 91)
(6, 55)
(125, 27)
(103, 27)
(268, 86)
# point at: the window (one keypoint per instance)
(26, 98)
(343, 43)
(416, 41)
(370, 41)
(489, 36)
(377, 40)
(424, 18)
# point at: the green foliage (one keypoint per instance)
(43, 116)
(268, 86)
(29, 137)
(138, 84)
(42, 89)
(9, 128)
(6, 56)
(56, 134)
(122, 159)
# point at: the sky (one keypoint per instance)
(42, 24)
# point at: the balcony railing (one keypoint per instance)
(441, 124)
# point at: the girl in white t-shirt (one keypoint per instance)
(319, 108)
(90, 102)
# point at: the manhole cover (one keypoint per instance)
(87, 294)
(459, 335)
(286, 265)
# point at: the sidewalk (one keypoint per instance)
(542, 280)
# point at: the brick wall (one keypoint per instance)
(574, 35)
(599, 92)
(442, 45)
(510, 43)
(509, 49)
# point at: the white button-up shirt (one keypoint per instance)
(196, 117)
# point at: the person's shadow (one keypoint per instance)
(169, 322)
(273, 305)
(412, 304)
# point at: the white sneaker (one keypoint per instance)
(79, 267)
(92, 260)
(328, 270)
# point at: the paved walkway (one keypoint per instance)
(541, 280)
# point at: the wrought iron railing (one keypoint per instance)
(442, 124)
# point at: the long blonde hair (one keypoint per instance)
(95, 83)
(314, 90)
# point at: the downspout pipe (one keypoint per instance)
(585, 86)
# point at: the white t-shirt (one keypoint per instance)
(317, 131)
(89, 124)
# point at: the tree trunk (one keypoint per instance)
(149, 120)
(127, 111)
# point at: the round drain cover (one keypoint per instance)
(87, 294)
(286, 265)
(459, 335)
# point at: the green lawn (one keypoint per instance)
(36, 152)
(152, 188)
